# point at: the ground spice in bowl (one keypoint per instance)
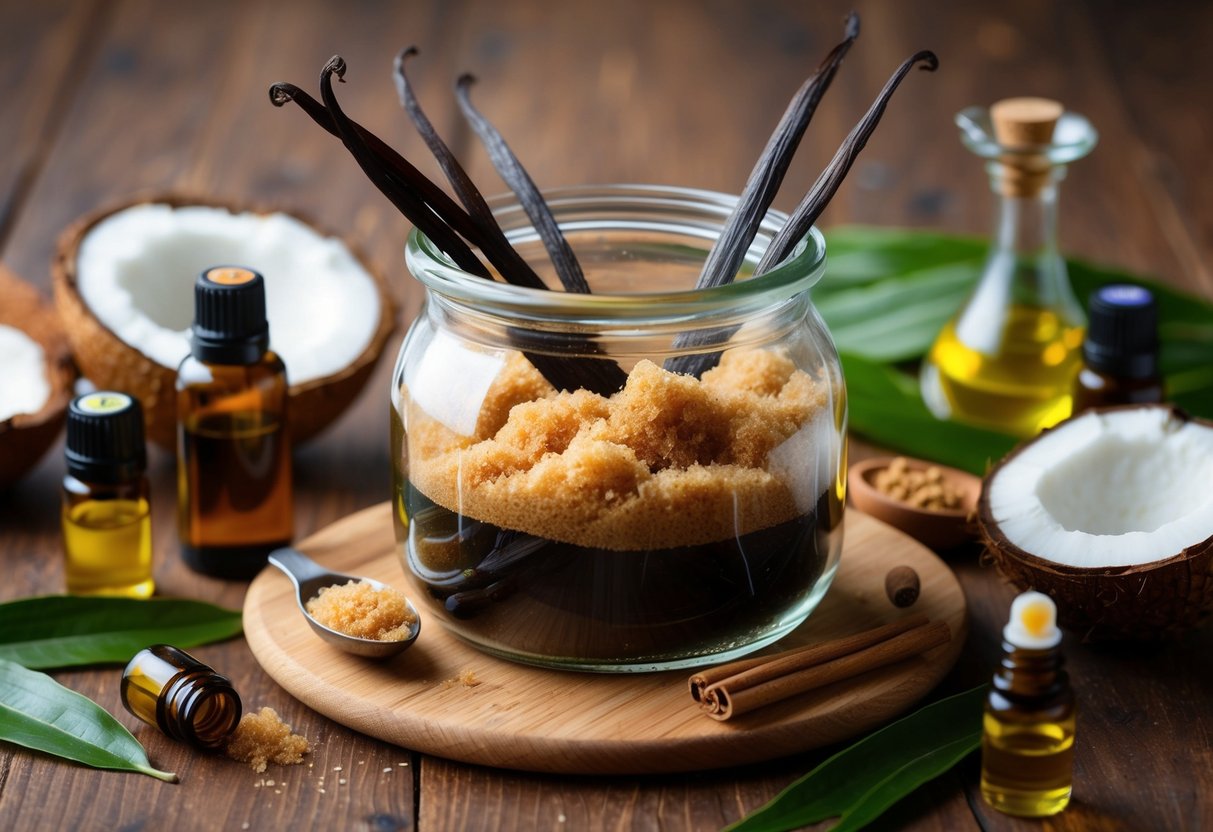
(360, 609)
(926, 488)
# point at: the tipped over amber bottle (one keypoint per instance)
(1027, 747)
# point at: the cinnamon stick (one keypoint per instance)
(786, 675)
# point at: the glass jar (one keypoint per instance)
(680, 521)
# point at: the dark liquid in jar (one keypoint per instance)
(527, 595)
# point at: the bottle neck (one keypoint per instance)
(1025, 223)
(199, 707)
(1034, 676)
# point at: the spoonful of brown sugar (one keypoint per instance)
(359, 615)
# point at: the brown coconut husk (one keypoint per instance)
(25, 437)
(1143, 602)
(112, 364)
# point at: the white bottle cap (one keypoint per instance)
(1033, 624)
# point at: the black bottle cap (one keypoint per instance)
(105, 438)
(229, 316)
(1122, 337)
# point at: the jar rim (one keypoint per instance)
(794, 275)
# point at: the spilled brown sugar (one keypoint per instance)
(263, 738)
(361, 610)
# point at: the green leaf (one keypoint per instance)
(68, 630)
(884, 405)
(897, 318)
(39, 713)
(859, 783)
(860, 254)
(887, 292)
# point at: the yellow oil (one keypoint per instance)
(108, 544)
(1027, 767)
(1021, 390)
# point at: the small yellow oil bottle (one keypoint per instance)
(233, 455)
(106, 517)
(1008, 358)
(1027, 748)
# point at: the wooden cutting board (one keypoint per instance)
(560, 721)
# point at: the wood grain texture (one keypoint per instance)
(557, 721)
(102, 99)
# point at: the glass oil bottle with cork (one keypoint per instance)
(106, 516)
(233, 455)
(1007, 360)
(1027, 746)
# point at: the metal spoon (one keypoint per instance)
(310, 577)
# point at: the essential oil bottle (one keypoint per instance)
(1027, 747)
(187, 700)
(106, 517)
(1120, 353)
(233, 457)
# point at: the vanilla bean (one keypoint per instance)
(492, 239)
(520, 182)
(805, 215)
(827, 184)
(405, 200)
(396, 165)
(439, 218)
(729, 251)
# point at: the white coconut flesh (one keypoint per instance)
(136, 270)
(1119, 488)
(24, 387)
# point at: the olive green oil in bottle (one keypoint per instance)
(1027, 747)
(233, 457)
(106, 517)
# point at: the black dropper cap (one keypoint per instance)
(105, 438)
(1122, 337)
(229, 316)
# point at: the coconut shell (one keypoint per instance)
(111, 363)
(25, 437)
(1142, 602)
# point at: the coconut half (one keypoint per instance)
(36, 376)
(124, 283)
(1111, 514)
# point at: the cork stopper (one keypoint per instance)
(1022, 125)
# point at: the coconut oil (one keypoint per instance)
(1007, 360)
(1027, 751)
(106, 516)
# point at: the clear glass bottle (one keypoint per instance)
(1120, 352)
(1027, 749)
(233, 454)
(106, 515)
(677, 522)
(1008, 358)
(186, 699)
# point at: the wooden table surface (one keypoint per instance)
(103, 98)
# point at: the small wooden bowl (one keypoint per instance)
(936, 528)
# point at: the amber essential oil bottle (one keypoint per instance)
(186, 699)
(233, 457)
(106, 517)
(1027, 747)
(1120, 353)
